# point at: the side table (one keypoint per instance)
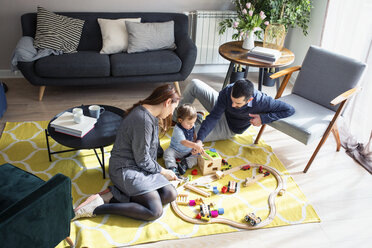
(103, 134)
(234, 52)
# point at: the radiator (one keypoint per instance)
(204, 27)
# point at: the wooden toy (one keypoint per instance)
(207, 186)
(214, 213)
(189, 178)
(224, 189)
(205, 218)
(192, 203)
(197, 190)
(279, 190)
(260, 169)
(219, 174)
(246, 167)
(199, 201)
(209, 162)
(224, 162)
(205, 210)
(215, 190)
(225, 167)
(221, 211)
(182, 199)
(252, 219)
(251, 180)
(198, 216)
(231, 187)
(194, 172)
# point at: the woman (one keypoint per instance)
(141, 185)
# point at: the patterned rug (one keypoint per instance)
(23, 145)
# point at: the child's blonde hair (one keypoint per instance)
(186, 112)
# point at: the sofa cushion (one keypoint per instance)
(82, 64)
(150, 36)
(57, 32)
(114, 34)
(147, 63)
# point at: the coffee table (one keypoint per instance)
(234, 52)
(103, 134)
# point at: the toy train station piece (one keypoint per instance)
(210, 162)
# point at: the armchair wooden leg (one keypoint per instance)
(259, 134)
(177, 86)
(324, 138)
(69, 241)
(337, 137)
(41, 92)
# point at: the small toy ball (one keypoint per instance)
(214, 213)
(198, 216)
(221, 211)
(192, 203)
(194, 172)
(212, 150)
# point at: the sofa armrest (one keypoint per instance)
(187, 52)
(42, 218)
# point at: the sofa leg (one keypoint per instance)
(41, 92)
(177, 86)
(69, 241)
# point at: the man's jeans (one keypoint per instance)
(208, 98)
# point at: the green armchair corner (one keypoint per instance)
(34, 213)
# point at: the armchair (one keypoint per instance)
(34, 213)
(325, 83)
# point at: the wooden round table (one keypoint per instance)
(234, 52)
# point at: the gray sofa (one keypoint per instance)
(89, 67)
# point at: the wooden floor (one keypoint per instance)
(339, 189)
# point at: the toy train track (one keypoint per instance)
(210, 178)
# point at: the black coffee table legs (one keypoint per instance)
(101, 161)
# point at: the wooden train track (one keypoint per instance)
(210, 178)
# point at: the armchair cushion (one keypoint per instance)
(325, 75)
(309, 121)
(39, 213)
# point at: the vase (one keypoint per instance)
(274, 36)
(248, 42)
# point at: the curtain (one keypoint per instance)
(348, 31)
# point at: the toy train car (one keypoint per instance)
(231, 187)
(252, 219)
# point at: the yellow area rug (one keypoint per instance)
(23, 145)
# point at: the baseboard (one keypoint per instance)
(216, 69)
(10, 74)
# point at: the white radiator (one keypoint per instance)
(204, 27)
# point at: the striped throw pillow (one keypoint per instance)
(57, 32)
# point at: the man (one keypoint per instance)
(234, 109)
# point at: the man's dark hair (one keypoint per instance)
(241, 88)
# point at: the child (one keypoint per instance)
(182, 141)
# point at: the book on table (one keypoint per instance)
(264, 55)
(65, 124)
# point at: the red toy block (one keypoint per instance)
(198, 216)
(194, 172)
(224, 189)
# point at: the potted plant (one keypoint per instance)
(250, 21)
(237, 73)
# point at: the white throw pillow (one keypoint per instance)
(114, 34)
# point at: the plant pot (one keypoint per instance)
(237, 75)
(267, 81)
(248, 41)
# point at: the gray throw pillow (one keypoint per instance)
(150, 36)
(57, 32)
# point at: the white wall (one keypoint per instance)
(11, 11)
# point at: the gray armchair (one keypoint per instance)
(324, 84)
